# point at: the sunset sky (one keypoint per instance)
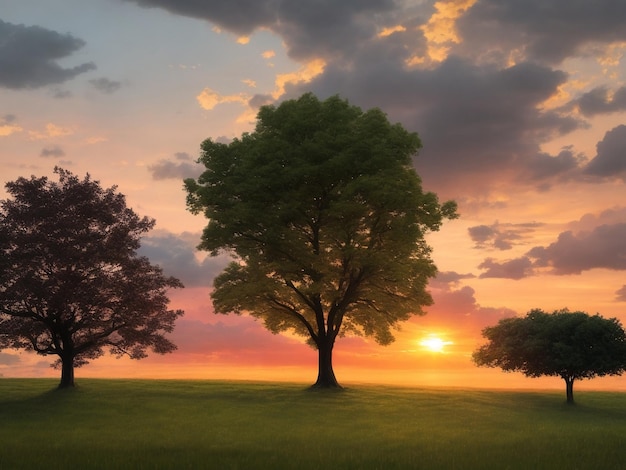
(520, 105)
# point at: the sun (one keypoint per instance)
(434, 343)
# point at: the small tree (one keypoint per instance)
(325, 216)
(570, 345)
(71, 283)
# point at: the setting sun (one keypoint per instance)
(434, 344)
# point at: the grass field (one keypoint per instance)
(159, 424)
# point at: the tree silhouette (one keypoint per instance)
(325, 217)
(570, 345)
(71, 283)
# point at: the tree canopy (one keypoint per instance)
(71, 282)
(570, 345)
(325, 218)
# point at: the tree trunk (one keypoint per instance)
(569, 388)
(325, 375)
(67, 371)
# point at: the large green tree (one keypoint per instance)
(71, 282)
(570, 345)
(325, 216)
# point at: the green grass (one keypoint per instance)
(159, 424)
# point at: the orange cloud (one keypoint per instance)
(209, 99)
(8, 129)
(304, 74)
(95, 140)
(389, 31)
(440, 31)
(268, 54)
(52, 130)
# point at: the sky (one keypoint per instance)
(520, 106)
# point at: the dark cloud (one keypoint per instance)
(449, 278)
(621, 294)
(310, 28)
(105, 85)
(327, 27)
(238, 16)
(610, 159)
(590, 221)
(501, 236)
(572, 253)
(480, 125)
(52, 152)
(517, 268)
(8, 119)
(183, 166)
(260, 100)
(482, 122)
(545, 170)
(481, 234)
(597, 101)
(29, 55)
(176, 254)
(544, 30)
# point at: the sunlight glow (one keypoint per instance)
(434, 343)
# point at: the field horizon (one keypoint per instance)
(173, 423)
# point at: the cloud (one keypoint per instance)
(29, 55)
(53, 151)
(481, 126)
(541, 30)
(600, 101)
(590, 221)
(310, 29)
(545, 170)
(483, 122)
(500, 236)
(95, 140)
(572, 253)
(449, 278)
(105, 85)
(209, 99)
(183, 167)
(610, 159)
(8, 126)
(440, 31)
(517, 268)
(51, 130)
(178, 256)
(621, 294)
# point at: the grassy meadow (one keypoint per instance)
(161, 424)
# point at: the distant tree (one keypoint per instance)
(570, 345)
(325, 216)
(71, 283)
